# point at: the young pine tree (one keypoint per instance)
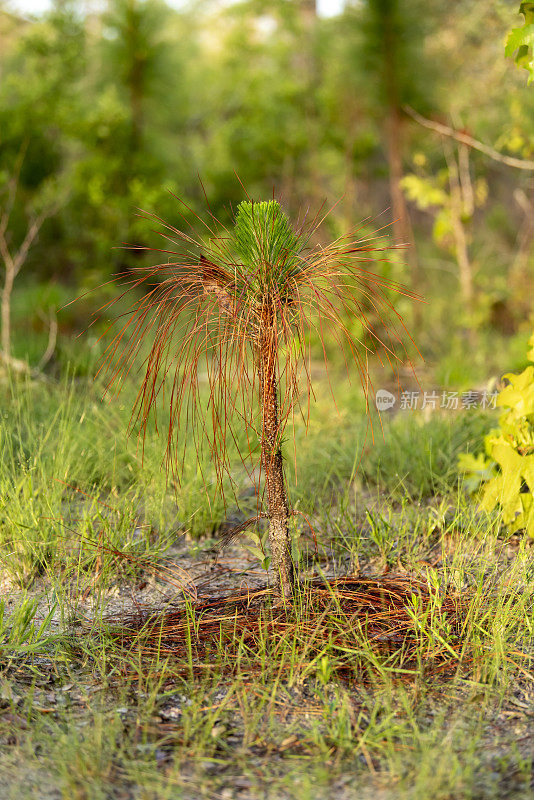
(239, 308)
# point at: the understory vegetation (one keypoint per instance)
(96, 703)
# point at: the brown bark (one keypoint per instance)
(402, 228)
(399, 211)
(135, 78)
(519, 273)
(308, 12)
(272, 461)
(461, 204)
(136, 106)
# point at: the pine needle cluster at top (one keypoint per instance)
(238, 310)
(268, 245)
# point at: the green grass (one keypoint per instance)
(85, 520)
(71, 477)
(20, 632)
(418, 457)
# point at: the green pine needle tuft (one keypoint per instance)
(265, 240)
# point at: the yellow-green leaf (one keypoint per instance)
(519, 394)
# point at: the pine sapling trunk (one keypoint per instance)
(272, 462)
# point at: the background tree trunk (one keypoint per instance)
(6, 308)
(462, 206)
(399, 210)
(402, 227)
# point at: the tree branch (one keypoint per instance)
(52, 339)
(465, 138)
(33, 229)
(12, 188)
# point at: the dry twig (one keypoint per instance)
(467, 139)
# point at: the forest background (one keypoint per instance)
(108, 108)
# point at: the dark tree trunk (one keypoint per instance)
(136, 104)
(136, 72)
(272, 462)
(402, 228)
(399, 210)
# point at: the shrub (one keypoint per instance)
(505, 476)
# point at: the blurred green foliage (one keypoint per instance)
(520, 41)
(113, 111)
